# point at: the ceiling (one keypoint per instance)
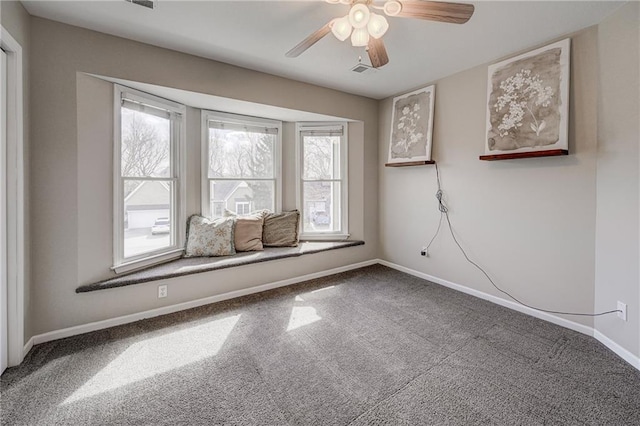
(257, 34)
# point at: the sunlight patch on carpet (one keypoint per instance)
(301, 316)
(323, 289)
(158, 355)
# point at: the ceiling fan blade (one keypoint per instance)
(309, 41)
(377, 52)
(454, 13)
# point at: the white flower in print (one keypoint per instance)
(408, 123)
(521, 93)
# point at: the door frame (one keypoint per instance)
(15, 200)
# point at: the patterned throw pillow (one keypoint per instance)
(248, 231)
(209, 237)
(281, 229)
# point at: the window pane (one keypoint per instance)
(241, 154)
(243, 207)
(147, 216)
(145, 144)
(240, 196)
(321, 206)
(321, 157)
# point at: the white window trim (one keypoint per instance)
(16, 349)
(207, 116)
(343, 232)
(178, 153)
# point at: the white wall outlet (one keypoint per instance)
(622, 311)
(162, 291)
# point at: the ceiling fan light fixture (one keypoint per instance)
(359, 15)
(341, 28)
(392, 8)
(377, 25)
(360, 37)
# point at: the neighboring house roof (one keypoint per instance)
(223, 190)
(143, 196)
(148, 193)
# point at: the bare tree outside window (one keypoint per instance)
(145, 146)
(318, 157)
(145, 167)
(246, 158)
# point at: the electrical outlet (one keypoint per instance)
(162, 291)
(424, 252)
(622, 311)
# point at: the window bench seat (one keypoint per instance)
(195, 265)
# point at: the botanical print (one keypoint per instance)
(528, 102)
(411, 124)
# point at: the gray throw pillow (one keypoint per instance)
(281, 229)
(209, 237)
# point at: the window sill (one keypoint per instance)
(324, 237)
(196, 265)
(147, 261)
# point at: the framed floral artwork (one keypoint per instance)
(411, 126)
(528, 102)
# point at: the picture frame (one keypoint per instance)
(528, 102)
(410, 137)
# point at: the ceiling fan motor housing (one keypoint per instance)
(367, 28)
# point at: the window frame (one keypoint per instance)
(178, 177)
(206, 116)
(343, 232)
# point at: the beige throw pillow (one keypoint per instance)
(281, 229)
(248, 232)
(210, 237)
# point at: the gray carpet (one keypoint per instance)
(372, 346)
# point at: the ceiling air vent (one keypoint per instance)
(145, 3)
(361, 68)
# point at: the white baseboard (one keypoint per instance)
(99, 325)
(27, 347)
(617, 349)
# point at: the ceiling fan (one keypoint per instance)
(367, 28)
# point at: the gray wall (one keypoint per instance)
(530, 223)
(72, 170)
(17, 22)
(618, 188)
